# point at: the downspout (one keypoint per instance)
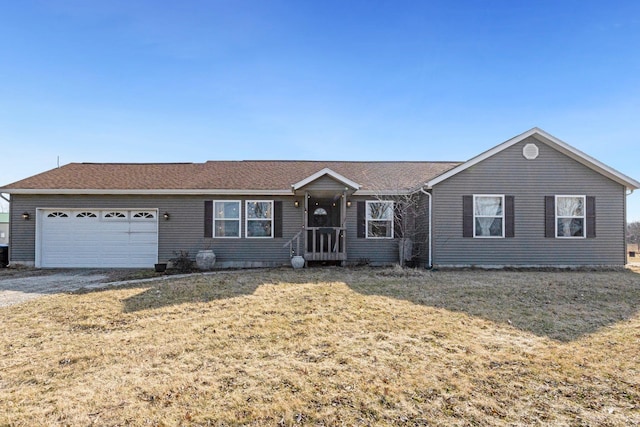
(430, 262)
(4, 198)
(626, 253)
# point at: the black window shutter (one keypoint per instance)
(591, 217)
(208, 218)
(277, 219)
(467, 216)
(360, 208)
(509, 217)
(398, 220)
(549, 216)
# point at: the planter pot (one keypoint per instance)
(160, 267)
(205, 260)
(297, 262)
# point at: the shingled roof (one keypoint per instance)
(276, 176)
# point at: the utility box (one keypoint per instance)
(4, 256)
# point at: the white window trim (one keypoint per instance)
(247, 219)
(583, 217)
(488, 216)
(367, 219)
(239, 219)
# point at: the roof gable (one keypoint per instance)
(328, 172)
(551, 141)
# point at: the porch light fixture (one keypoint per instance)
(166, 216)
(26, 216)
(348, 203)
(296, 203)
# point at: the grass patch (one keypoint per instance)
(330, 347)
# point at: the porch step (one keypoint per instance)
(325, 256)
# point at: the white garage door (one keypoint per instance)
(97, 238)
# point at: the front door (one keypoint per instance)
(323, 213)
(323, 219)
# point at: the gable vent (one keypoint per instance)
(530, 151)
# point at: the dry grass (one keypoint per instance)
(111, 275)
(330, 347)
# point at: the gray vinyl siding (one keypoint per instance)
(363, 250)
(183, 231)
(324, 183)
(529, 181)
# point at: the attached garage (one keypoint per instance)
(122, 238)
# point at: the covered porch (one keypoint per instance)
(324, 233)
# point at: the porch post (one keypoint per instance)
(306, 209)
(343, 210)
(306, 222)
(343, 227)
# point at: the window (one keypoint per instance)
(115, 215)
(58, 215)
(488, 216)
(143, 215)
(379, 220)
(570, 216)
(86, 215)
(226, 218)
(259, 218)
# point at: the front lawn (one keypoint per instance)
(330, 346)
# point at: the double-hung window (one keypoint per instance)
(488, 216)
(379, 220)
(226, 218)
(259, 218)
(570, 216)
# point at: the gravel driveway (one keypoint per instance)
(14, 290)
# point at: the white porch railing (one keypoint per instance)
(326, 244)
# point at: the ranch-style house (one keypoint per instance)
(532, 201)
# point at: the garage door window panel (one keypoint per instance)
(86, 215)
(58, 214)
(115, 216)
(142, 216)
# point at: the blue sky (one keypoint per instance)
(190, 81)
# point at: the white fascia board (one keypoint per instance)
(225, 192)
(191, 192)
(551, 141)
(587, 160)
(326, 171)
